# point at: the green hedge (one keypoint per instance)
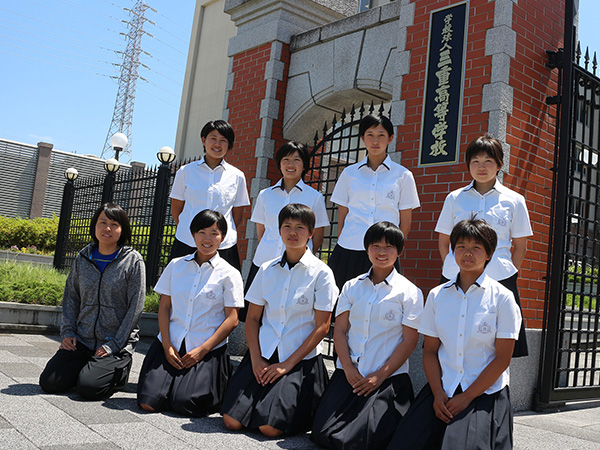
(38, 232)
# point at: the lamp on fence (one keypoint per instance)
(119, 142)
(166, 155)
(111, 165)
(71, 174)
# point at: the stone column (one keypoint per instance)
(41, 179)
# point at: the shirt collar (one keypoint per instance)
(279, 185)
(497, 186)
(385, 163)
(388, 280)
(482, 282)
(221, 164)
(213, 262)
(283, 261)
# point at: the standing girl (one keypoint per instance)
(368, 192)
(375, 332)
(102, 304)
(281, 379)
(210, 183)
(187, 367)
(470, 325)
(292, 161)
(505, 210)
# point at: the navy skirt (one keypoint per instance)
(487, 423)
(347, 264)
(193, 392)
(288, 404)
(347, 421)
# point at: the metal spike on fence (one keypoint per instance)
(352, 113)
(343, 117)
(316, 138)
(578, 52)
(594, 64)
(334, 122)
(325, 128)
(390, 111)
(362, 109)
(381, 109)
(586, 58)
(371, 108)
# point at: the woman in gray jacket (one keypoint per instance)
(103, 300)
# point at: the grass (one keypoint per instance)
(574, 301)
(43, 285)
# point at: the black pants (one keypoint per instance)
(93, 377)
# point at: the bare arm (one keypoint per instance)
(164, 319)
(370, 382)
(443, 245)
(227, 326)
(260, 231)
(322, 322)
(519, 250)
(176, 209)
(405, 221)
(504, 351)
(342, 213)
(252, 328)
(317, 238)
(340, 339)
(433, 371)
(236, 214)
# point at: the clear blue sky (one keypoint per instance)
(57, 59)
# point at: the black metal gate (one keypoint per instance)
(570, 356)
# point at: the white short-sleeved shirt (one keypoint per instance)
(378, 314)
(372, 196)
(200, 187)
(467, 325)
(503, 209)
(290, 298)
(269, 203)
(199, 295)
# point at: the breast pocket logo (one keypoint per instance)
(210, 295)
(391, 195)
(390, 315)
(484, 328)
(302, 300)
(502, 221)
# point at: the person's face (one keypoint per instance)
(108, 231)
(470, 255)
(215, 146)
(208, 240)
(376, 140)
(291, 166)
(483, 168)
(294, 234)
(382, 255)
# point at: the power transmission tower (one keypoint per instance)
(123, 112)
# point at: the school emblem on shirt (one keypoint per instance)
(302, 300)
(210, 295)
(485, 328)
(391, 195)
(502, 221)
(390, 315)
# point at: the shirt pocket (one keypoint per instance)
(388, 195)
(211, 294)
(389, 314)
(226, 192)
(303, 299)
(484, 326)
(499, 218)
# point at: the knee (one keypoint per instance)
(90, 388)
(269, 431)
(51, 383)
(231, 423)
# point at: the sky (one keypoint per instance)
(59, 69)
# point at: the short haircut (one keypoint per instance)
(207, 218)
(224, 129)
(477, 230)
(384, 231)
(488, 145)
(116, 213)
(297, 211)
(372, 120)
(289, 149)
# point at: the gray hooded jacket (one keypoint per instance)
(103, 308)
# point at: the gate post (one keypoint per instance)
(159, 208)
(65, 217)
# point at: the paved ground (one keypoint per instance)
(30, 419)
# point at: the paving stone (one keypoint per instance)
(95, 446)
(4, 423)
(13, 440)
(136, 436)
(90, 413)
(10, 340)
(8, 357)
(21, 369)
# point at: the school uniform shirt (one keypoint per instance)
(269, 203)
(467, 324)
(378, 314)
(372, 196)
(503, 209)
(290, 298)
(200, 187)
(199, 296)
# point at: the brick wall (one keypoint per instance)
(530, 134)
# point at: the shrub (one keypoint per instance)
(39, 232)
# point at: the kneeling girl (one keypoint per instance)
(282, 377)
(470, 325)
(375, 332)
(187, 367)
